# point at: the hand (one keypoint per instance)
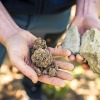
(18, 46)
(83, 24)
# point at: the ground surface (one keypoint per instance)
(85, 86)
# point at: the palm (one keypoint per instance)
(18, 46)
(83, 24)
(18, 50)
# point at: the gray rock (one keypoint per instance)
(72, 40)
(90, 49)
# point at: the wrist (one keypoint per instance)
(87, 8)
(20, 34)
(4, 38)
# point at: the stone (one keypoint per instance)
(72, 40)
(90, 49)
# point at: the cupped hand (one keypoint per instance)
(84, 23)
(18, 47)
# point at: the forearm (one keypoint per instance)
(7, 25)
(87, 7)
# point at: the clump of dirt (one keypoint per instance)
(43, 59)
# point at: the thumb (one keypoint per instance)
(25, 69)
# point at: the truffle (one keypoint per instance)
(39, 43)
(43, 59)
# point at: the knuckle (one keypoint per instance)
(53, 81)
(41, 78)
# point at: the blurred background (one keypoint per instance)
(85, 85)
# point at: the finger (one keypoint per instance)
(59, 52)
(26, 70)
(79, 58)
(68, 51)
(59, 47)
(64, 75)
(52, 80)
(71, 58)
(64, 65)
(85, 66)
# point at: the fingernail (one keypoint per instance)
(72, 58)
(71, 66)
(68, 52)
(79, 57)
(70, 77)
(34, 81)
(59, 47)
(63, 84)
